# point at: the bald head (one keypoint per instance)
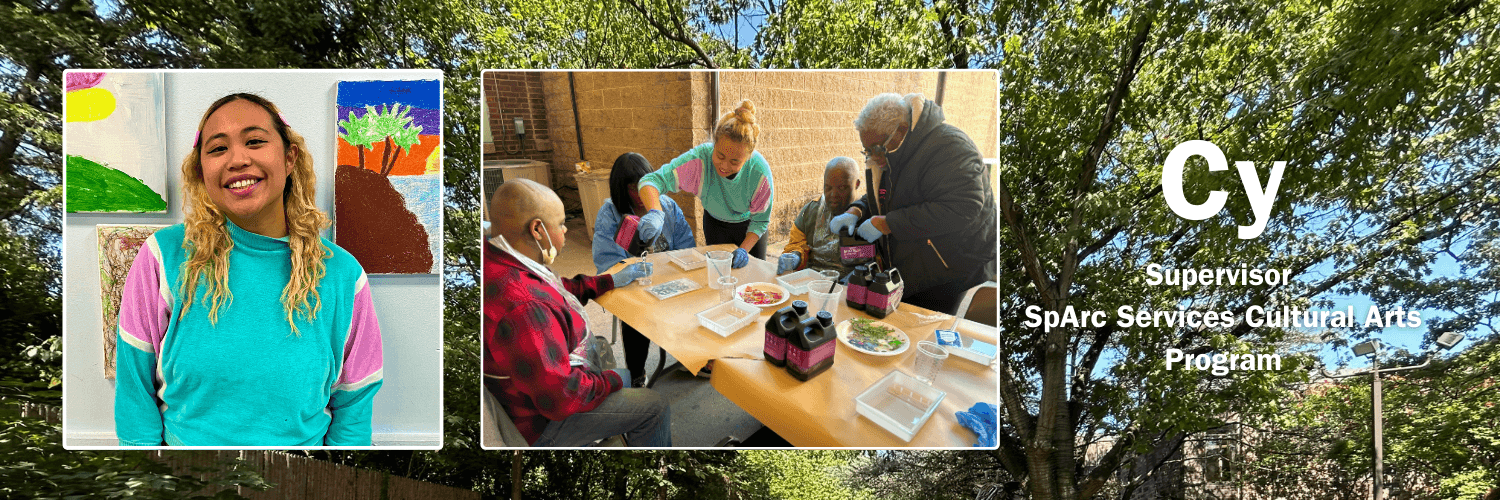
(518, 203)
(840, 181)
(843, 164)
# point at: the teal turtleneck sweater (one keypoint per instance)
(247, 379)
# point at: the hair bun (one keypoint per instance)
(746, 111)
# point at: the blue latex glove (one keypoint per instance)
(868, 231)
(788, 262)
(624, 376)
(651, 225)
(741, 257)
(838, 224)
(630, 273)
(983, 420)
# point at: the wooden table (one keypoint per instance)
(821, 411)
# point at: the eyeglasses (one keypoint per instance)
(876, 150)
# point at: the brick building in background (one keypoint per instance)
(806, 118)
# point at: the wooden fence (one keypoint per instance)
(295, 477)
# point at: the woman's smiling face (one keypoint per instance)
(245, 166)
(729, 156)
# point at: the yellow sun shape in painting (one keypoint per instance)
(434, 160)
(89, 104)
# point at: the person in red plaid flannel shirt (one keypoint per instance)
(540, 360)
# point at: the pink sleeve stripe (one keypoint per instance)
(362, 352)
(690, 176)
(762, 198)
(144, 300)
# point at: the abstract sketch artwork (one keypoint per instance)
(115, 141)
(118, 246)
(387, 189)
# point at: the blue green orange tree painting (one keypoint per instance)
(389, 125)
(387, 213)
(115, 142)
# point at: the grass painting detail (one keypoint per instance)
(97, 188)
(114, 136)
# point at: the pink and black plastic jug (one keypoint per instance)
(810, 352)
(884, 294)
(859, 281)
(854, 250)
(782, 325)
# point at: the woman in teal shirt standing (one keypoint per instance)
(729, 177)
(243, 326)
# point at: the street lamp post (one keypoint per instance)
(1372, 349)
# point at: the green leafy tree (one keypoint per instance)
(1440, 441)
(804, 475)
(876, 34)
(1383, 115)
(38, 467)
(930, 475)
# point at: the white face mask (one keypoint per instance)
(549, 254)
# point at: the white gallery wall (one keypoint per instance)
(408, 408)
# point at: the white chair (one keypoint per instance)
(498, 431)
(980, 305)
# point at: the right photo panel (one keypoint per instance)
(1249, 251)
(763, 259)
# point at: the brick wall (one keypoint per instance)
(806, 119)
(511, 94)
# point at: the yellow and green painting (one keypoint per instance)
(114, 137)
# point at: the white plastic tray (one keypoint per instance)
(796, 283)
(899, 404)
(728, 317)
(673, 288)
(688, 258)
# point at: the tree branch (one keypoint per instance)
(677, 36)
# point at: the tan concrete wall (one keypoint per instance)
(970, 102)
(643, 112)
(806, 119)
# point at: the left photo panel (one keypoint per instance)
(252, 259)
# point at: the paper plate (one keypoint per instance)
(739, 293)
(846, 328)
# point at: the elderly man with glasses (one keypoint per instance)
(929, 200)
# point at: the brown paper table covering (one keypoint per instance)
(821, 411)
(673, 323)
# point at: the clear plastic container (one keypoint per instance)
(975, 350)
(688, 258)
(899, 404)
(673, 288)
(728, 317)
(796, 283)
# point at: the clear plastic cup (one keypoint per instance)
(830, 275)
(718, 266)
(929, 362)
(820, 299)
(649, 269)
(726, 286)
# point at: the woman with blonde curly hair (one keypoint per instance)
(242, 326)
(731, 179)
